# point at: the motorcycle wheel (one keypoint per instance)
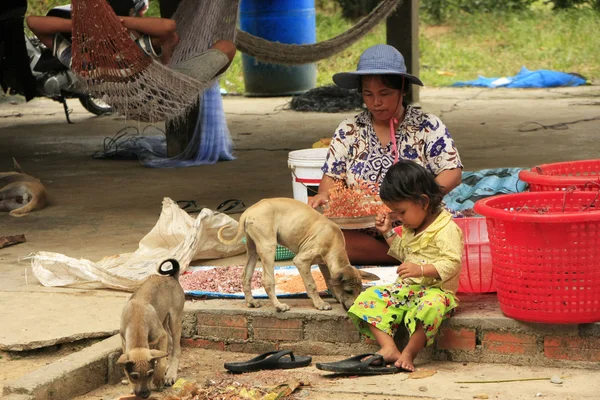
(94, 105)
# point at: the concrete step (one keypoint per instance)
(478, 332)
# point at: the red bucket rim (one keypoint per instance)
(488, 207)
(532, 176)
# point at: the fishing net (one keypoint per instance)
(328, 99)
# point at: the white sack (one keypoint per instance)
(176, 235)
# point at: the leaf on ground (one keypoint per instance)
(422, 373)
(282, 389)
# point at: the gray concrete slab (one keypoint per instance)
(70, 376)
(33, 320)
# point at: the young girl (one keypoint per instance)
(430, 249)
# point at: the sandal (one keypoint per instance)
(231, 206)
(190, 206)
(278, 359)
(362, 364)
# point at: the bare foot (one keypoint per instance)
(390, 356)
(405, 361)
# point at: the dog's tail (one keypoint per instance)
(238, 234)
(173, 271)
(38, 198)
(17, 167)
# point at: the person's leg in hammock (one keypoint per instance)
(207, 66)
(156, 36)
(160, 32)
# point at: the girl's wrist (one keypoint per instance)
(388, 234)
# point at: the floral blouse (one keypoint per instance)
(357, 153)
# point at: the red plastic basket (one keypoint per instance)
(546, 254)
(583, 175)
(477, 274)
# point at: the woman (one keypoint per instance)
(365, 146)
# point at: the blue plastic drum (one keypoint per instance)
(284, 21)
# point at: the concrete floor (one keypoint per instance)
(101, 208)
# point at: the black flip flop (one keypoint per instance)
(279, 359)
(231, 206)
(361, 364)
(189, 206)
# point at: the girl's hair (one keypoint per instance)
(407, 180)
(397, 82)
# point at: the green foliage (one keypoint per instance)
(439, 11)
(356, 9)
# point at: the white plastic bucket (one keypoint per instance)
(306, 172)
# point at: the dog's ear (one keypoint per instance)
(123, 359)
(337, 279)
(157, 354)
(16, 166)
(346, 276)
(367, 276)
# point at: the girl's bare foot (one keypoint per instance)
(390, 355)
(405, 361)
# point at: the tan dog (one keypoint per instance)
(307, 233)
(20, 193)
(150, 322)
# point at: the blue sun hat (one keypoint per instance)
(381, 59)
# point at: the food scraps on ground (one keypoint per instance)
(221, 280)
(295, 284)
(359, 200)
(227, 389)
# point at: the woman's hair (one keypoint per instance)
(393, 82)
(407, 180)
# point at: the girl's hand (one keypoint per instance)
(318, 200)
(383, 223)
(409, 270)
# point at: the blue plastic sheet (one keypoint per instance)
(477, 185)
(527, 79)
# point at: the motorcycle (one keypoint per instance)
(52, 78)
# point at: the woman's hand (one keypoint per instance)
(383, 223)
(409, 270)
(318, 200)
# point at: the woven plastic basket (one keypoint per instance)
(582, 175)
(546, 254)
(281, 253)
(477, 273)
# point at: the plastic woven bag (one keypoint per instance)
(176, 235)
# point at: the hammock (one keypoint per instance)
(114, 68)
(295, 54)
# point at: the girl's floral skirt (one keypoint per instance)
(387, 307)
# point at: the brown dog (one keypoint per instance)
(150, 324)
(20, 193)
(307, 233)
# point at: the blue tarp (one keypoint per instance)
(481, 184)
(527, 79)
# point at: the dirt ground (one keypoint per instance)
(433, 380)
(100, 208)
